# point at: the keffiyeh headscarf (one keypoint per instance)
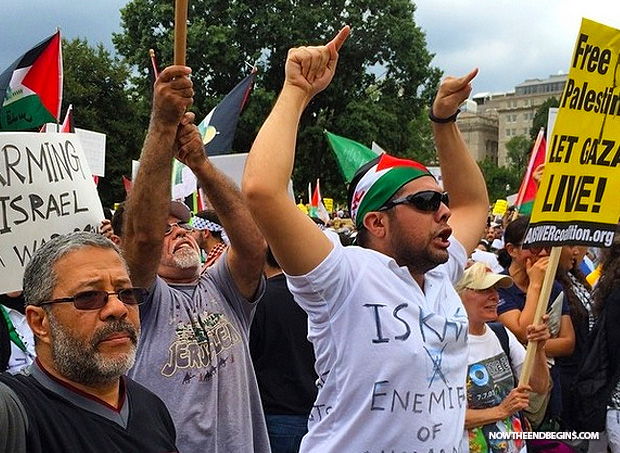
(199, 223)
(380, 183)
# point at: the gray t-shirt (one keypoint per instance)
(194, 355)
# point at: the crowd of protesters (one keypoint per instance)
(400, 327)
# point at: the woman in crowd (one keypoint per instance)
(494, 401)
(517, 306)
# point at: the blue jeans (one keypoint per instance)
(286, 431)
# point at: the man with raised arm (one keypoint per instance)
(194, 352)
(388, 329)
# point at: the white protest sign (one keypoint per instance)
(232, 165)
(46, 189)
(93, 145)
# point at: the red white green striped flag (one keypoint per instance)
(31, 88)
(317, 208)
(527, 191)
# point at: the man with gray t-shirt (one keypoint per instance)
(194, 347)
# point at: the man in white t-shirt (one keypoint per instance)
(388, 328)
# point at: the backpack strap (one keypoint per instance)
(500, 332)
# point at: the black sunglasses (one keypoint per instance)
(427, 201)
(93, 300)
(185, 226)
(537, 249)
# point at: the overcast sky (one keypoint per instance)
(509, 40)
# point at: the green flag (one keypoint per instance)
(349, 154)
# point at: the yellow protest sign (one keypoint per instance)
(329, 204)
(303, 208)
(578, 199)
(500, 207)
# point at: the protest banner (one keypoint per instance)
(93, 145)
(500, 207)
(46, 190)
(329, 204)
(577, 201)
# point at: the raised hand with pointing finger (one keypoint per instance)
(312, 68)
(453, 91)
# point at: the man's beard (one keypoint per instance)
(183, 259)
(80, 361)
(418, 259)
(420, 262)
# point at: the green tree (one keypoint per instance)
(541, 115)
(382, 87)
(501, 181)
(96, 85)
(519, 149)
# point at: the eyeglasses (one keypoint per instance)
(182, 225)
(536, 249)
(93, 300)
(427, 201)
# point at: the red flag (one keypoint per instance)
(127, 184)
(527, 191)
(67, 124)
(96, 179)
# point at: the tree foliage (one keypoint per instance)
(501, 181)
(519, 150)
(383, 82)
(541, 115)
(96, 85)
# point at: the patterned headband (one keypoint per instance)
(203, 224)
(381, 182)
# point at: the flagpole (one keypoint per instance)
(153, 63)
(60, 77)
(529, 170)
(180, 31)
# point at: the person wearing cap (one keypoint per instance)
(209, 235)
(494, 400)
(83, 310)
(194, 352)
(389, 330)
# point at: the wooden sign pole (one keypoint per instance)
(541, 309)
(180, 31)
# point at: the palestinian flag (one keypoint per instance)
(317, 208)
(528, 189)
(31, 88)
(219, 126)
(350, 154)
